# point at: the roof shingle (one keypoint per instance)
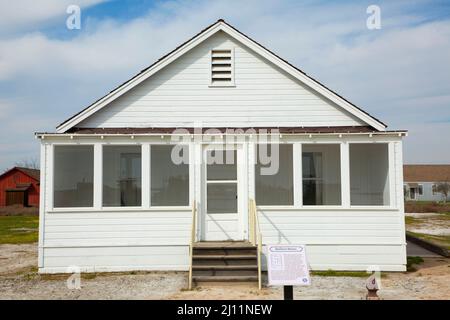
(426, 172)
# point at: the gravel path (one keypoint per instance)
(19, 280)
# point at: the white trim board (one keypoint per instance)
(221, 25)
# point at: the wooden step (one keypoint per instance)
(224, 252)
(223, 245)
(225, 278)
(224, 257)
(225, 267)
(224, 262)
(223, 248)
(219, 273)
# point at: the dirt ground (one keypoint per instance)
(429, 223)
(19, 280)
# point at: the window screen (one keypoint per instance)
(122, 176)
(169, 182)
(321, 171)
(276, 188)
(73, 176)
(369, 174)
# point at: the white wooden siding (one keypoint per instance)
(180, 95)
(119, 258)
(117, 228)
(330, 227)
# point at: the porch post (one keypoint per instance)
(192, 185)
(197, 154)
(49, 191)
(251, 169)
(345, 174)
(298, 174)
(42, 202)
(392, 175)
(145, 175)
(98, 175)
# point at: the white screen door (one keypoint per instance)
(221, 212)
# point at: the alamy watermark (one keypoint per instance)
(373, 22)
(374, 280)
(74, 280)
(73, 21)
(221, 144)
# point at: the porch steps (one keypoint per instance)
(224, 262)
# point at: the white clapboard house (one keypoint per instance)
(135, 182)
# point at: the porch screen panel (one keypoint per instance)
(169, 178)
(122, 176)
(275, 186)
(369, 174)
(321, 171)
(73, 176)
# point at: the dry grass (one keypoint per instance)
(334, 273)
(18, 210)
(426, 207)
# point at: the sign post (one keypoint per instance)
(288, 292)
(287, 266)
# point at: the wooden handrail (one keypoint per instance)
(191, 244)
(255, 235)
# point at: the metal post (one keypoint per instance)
(288, 292)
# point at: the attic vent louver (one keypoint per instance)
(222, 67)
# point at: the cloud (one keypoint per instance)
(427, 143)
(400, 73)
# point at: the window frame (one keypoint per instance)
(294, 177)
(391, 182)
(48, 159)
(98, 179)
(103, 207)
(344, 144)
(324, 158)
(420, 188)
(51, 179)
(190, 177)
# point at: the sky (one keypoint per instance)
(399, 73)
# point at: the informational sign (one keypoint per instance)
(287, 265)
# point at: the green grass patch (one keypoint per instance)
(411, 261)
(18, 229)
(439, 240)
(411, 220)
(334, 273)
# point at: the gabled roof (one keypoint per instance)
(221, 25)
(32, 173)
(426, 172)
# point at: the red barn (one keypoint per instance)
(19, 186)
